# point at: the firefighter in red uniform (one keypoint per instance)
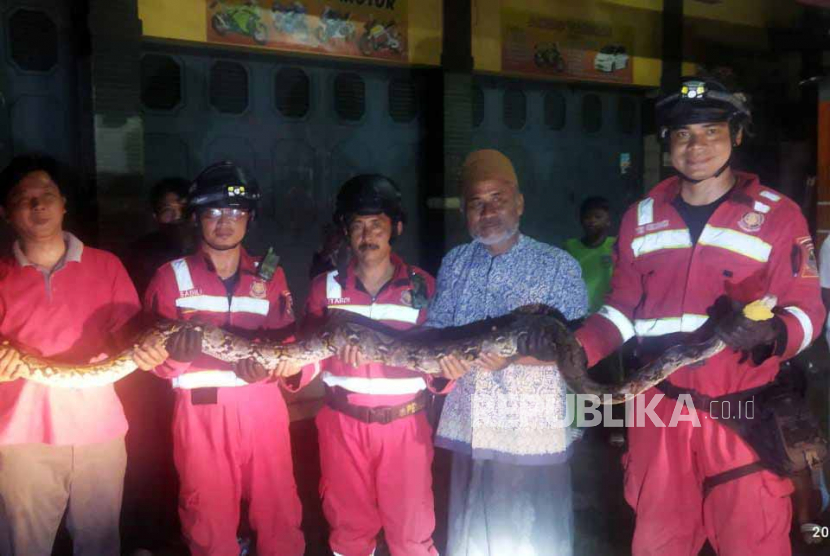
(230, 427)
(375, 441)
(693, 251)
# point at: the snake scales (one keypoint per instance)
(418, 350)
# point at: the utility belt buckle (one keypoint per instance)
(336, 399)
(204, 396)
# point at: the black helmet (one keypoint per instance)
(702, 101)
(368, 194)
(223, 184)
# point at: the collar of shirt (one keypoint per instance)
(400, 277)
(247, 263)
(738, 193)
(74, 250)
(517, 249)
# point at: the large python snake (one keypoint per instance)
(418, 350)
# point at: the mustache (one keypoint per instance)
(368, 247)
(486, 223)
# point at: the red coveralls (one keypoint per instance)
(755, 243)
(374, 475)
(230, 438)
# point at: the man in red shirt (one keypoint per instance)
(700, 245)
(61, 449)
(375, 441)
(230, 425)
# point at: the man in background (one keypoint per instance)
(594, 250)
(150, 486)
(171, 240)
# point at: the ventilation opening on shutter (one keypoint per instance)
(515, 108)
(292, 91)
(161, 82)
(477, 105)
(229, 87)
(591, 113)
(627, 115)
(555, 110)
(349, 96)
(403, 100)
(33, 37)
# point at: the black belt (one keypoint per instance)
(703, 402)
(337, 399)
(711, 482)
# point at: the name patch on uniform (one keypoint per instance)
(805, 264)
(751, 222)
(258, 289)
(190, 293)
(339, 300)
(651, 227)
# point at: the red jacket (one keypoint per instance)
(755, 243)
(393, 307)
(190, 289)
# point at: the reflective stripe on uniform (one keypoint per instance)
(737, 242)
(254, 305)
(333, 288)
(208, 379)
(806, 326)
(657, 241)
(374, 386)
(219, 304)
(645, 212)
(182, 272)
(210, 303)
(382, 311)
(619, 320)
(689, 322)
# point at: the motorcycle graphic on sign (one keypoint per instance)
(291, 19)
(335, 25)
(242, 19)
(366, 29)
(379, 36)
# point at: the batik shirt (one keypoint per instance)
(516, 415)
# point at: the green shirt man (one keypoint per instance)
(594, 249)
(597, 266)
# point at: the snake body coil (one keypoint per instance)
(418, 350)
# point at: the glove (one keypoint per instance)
(744, 334)
(537, 343)
(551, 343)
(250, 371)
(185, 345)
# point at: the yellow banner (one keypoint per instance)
(566, 47)
(357, 28)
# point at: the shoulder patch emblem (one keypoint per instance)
(751, 222)
(258, 289)
(808, 267)
(406, 298)
(289, 302)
